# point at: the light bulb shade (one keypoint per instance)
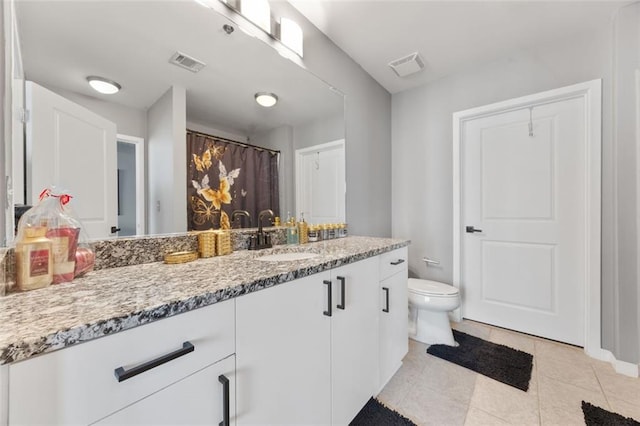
(291, 35)
(266, 99)
(103, 85)
(258, 12)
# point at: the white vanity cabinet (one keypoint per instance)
(393, 312)
(80, 385)
(306, 354)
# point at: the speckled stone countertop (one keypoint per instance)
(111, 300)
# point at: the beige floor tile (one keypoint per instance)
(561, 403)
(560, 352)
(395, 391)
(430, 407)
(478, 417)
(513, 340)
(617, 385)
(506, 402)
(577, 374)
(412, 366)
(451, 380)
(473, 328)
(624, 408)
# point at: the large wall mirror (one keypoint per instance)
(131, 42)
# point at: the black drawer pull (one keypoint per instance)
(397, 262)
(122, 374)
(225, 400)
(386, 296)
(328, 312)
(341, 305)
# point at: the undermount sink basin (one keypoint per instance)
(280, 257)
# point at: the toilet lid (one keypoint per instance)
(431, 288)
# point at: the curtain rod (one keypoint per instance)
(243, 144)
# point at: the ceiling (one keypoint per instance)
(449, 35)
(130, 42)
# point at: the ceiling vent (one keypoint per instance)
(408, 65)
(186, 62)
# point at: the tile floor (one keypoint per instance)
(431, 391)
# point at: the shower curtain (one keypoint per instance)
(223, 176)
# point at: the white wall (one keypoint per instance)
(167, 163)
(318, 132)
(216, 130)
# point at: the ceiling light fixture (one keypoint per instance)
(103, 85)
(266, 99)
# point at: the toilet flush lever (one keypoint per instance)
(430, 261)
(471, 229)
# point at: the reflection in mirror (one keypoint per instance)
(131, 43)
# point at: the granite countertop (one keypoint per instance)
(111, 300)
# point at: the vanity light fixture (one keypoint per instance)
(103, 85)
(258, 12)
(266, 99)
(291, 35)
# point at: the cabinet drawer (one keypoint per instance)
(78, 385)
(393, 262)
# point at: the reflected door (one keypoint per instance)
(523, 244)
(74, 149)
(320, 183)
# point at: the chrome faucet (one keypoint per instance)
(261, 239)
(237, 213)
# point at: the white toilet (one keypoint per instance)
(429, 305)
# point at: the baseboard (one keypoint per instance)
(621, 367)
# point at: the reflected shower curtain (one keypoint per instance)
(223, 176)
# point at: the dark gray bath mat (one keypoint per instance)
(596, 416)
(376, 414)
(501, 363)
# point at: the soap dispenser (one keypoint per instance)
(303, 230)
(292, 231)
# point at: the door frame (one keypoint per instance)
(141, 195)
(298, 169)
(591, 92)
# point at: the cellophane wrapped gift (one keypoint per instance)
(72, 255)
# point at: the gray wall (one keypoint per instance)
(626, 61)
(126, 189)
(422, 159)
(368, 129)
(318, 132)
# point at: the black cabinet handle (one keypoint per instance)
(397, 262)
(328, 312)
(122, 374)
(342, 293)
(225, 400)
(386, 296)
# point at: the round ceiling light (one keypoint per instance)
(103, 85)
(266, 99)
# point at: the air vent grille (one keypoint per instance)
(186, 62)
(407, 65)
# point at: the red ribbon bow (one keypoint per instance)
(64, 198)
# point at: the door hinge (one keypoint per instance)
(25, 115)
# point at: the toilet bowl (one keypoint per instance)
(429, 305)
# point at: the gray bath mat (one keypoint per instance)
(501, 363)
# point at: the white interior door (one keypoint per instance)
(320, 183)
(74, 149)
(523, 267)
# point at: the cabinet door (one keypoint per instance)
(354, 338)
(283, 354)
(198, 399)
(393, 325)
